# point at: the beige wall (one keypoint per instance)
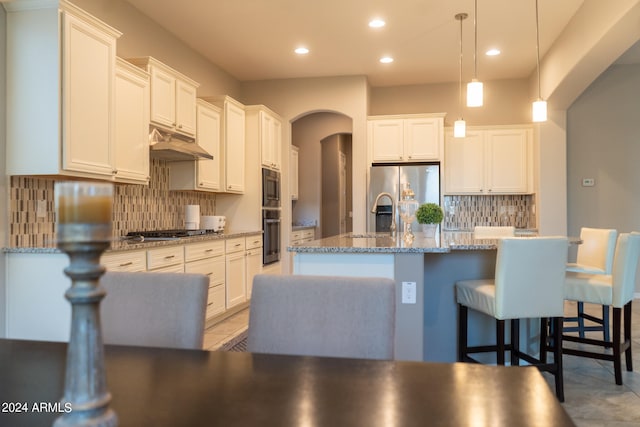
(4, 180)
(604, 131)
(143, 37)
(295, 98)
(306, 133)
(505, 102)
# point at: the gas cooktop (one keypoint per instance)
(168, 233)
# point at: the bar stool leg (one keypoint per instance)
(617, 363)
(515, 342)
(500, 341)
(580, 319)
(627, 336)
(544, 334)
(557, 357)
(462, 332)
(605, 323)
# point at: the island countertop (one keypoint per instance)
(443, 242)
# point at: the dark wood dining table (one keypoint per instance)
(166, 387)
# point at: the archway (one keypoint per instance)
(307, 132)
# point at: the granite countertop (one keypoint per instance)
(382, 243)
(125, 245)
(301, 227)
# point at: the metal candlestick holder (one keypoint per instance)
(85, 383)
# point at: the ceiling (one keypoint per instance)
(255, 39)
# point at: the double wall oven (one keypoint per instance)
(271, 216)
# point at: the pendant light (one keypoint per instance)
(539, 109)
(459, 126)
(474, 88)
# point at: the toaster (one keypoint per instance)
(213, 223)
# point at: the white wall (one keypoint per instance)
(4, 180)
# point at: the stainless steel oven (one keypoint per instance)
(271, 237)
(270, 188)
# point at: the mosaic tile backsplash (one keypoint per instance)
(135, 208)
(465, 212)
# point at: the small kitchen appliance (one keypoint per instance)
(213, 223)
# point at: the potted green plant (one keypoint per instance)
(429, 214)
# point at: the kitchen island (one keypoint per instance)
(425, 273)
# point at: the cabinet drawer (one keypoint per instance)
(253, 242)
(234, 245)
(124, 261)
(212, 267)
(296, 235)
(307, 240)
(163, 257)
(310, 233)
(177, 268)
(194, 251)
(215, 301)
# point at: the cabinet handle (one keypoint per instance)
(208, 250)
(410, 157)
(256, 241)
(179, 126)
(209, 274)
(114, 172)
(238, 244)
(124, 264)
(169, 256)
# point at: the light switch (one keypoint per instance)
(408, 292)
(588, 182)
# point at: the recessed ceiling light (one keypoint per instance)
(301, 51)
(376, 23)
(493, 52)
(386, 59)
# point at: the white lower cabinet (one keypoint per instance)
(235, 272)
(253, 262)
(208, 258)
(38, 310)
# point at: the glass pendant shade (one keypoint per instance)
(539, 111)
(459, 129)
(474, 93)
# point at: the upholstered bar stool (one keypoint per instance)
(616, 290)
(528, 283)
(595, 256)
(493, 232)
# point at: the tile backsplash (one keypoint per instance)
(465, 212)
(135, 208)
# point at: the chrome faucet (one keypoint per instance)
(392, 228)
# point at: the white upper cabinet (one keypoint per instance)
(269, 134)
(60, 92)
(408, 138)
(204, 174)
(131, 124)
(495, 160)
(173, 97)
(294, 175)
(232, 143)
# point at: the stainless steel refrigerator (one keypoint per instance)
(424, 180)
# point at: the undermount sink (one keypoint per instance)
(368, 235)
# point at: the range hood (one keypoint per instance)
(171, 147)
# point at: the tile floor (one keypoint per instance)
(217, 335)
(592, 398)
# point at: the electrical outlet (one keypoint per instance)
(408, 292)
(41, 209)
(588, 182)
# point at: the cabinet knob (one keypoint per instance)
(179, 126)
(114, 172)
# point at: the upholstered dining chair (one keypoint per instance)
(615, 289)
(594, 256)
(327, 316)
(154, 309)
(528, 283)
(493, 232)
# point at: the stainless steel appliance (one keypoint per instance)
(424, 179)
(271, 236)
(270, 188)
